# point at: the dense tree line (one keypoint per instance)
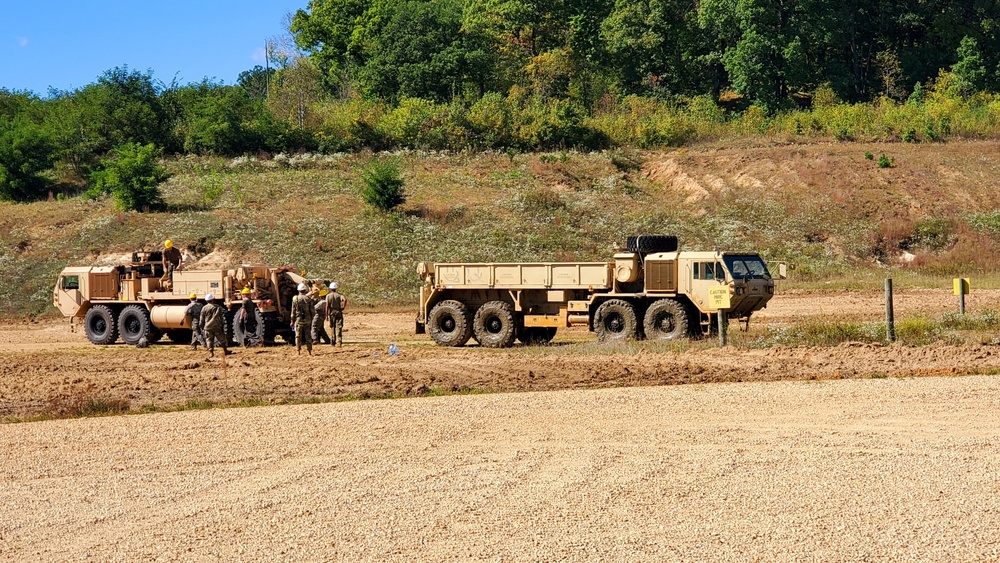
(529, 75)
(764, 50)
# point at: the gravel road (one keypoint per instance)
(838, 470)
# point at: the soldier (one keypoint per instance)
(335, 305)
(214, 325)
(248, 318)
(193, 315)
(172, 258)
(303, 312)
(171, 261)
(319, 335)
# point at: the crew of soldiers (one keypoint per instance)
(308, 314)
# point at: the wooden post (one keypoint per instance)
(961, 303)
(723, 327)
(890, 323)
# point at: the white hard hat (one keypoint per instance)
(333, 285)
(209, 297)
(302, 287)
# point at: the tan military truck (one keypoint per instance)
(132, 300)
(651, 290)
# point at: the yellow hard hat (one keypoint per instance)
(168, 243)
(323, 292)
(246, 291)
(194, 296)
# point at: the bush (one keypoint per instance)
(132, 176)
(383, 186)
(884, 161)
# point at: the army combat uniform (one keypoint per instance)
(213, 324)
(303, 313)
(335, 311)
(193, 312)
(319, 335)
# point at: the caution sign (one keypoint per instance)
(962, 286)
(718, 297)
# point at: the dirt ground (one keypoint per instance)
(46, 368)
(610, 466)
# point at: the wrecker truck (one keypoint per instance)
(136, 302)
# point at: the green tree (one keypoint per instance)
(132, 175)
(413, 49)
(970, 71)
(383, 185)
(26, 150)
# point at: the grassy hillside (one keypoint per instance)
(827, 207)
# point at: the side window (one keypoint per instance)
(709, 268)
(71, 282)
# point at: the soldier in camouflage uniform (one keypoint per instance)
(319, 335)
(193, 314)
(303, 313)
(335, 304)
(213, 324)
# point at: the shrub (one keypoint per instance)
(884, 161)
(132, 176)
(383, 185)
(869, 155)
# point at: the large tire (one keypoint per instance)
(100, 326)
(134, 324)
(651, 243)
(536, 335)
(249, 333)
(665, 319)
(449, 324)
(494, 325)
(615, 320)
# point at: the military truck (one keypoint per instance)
(136, 302)
(650, 290)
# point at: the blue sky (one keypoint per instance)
(67, 44)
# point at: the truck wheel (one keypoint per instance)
(615, 320)
(249, 333)
(99, 324)
(651, 243)
(494, 325)
(448, 323)
(536, 335)
(134, 324)
(666, 319)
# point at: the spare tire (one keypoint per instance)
(651, 243)
(249, 331)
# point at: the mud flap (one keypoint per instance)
(421, 329)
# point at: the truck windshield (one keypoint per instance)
(742, 266)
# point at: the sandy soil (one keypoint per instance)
(609, 465)
(856, 470)
(46, 368)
